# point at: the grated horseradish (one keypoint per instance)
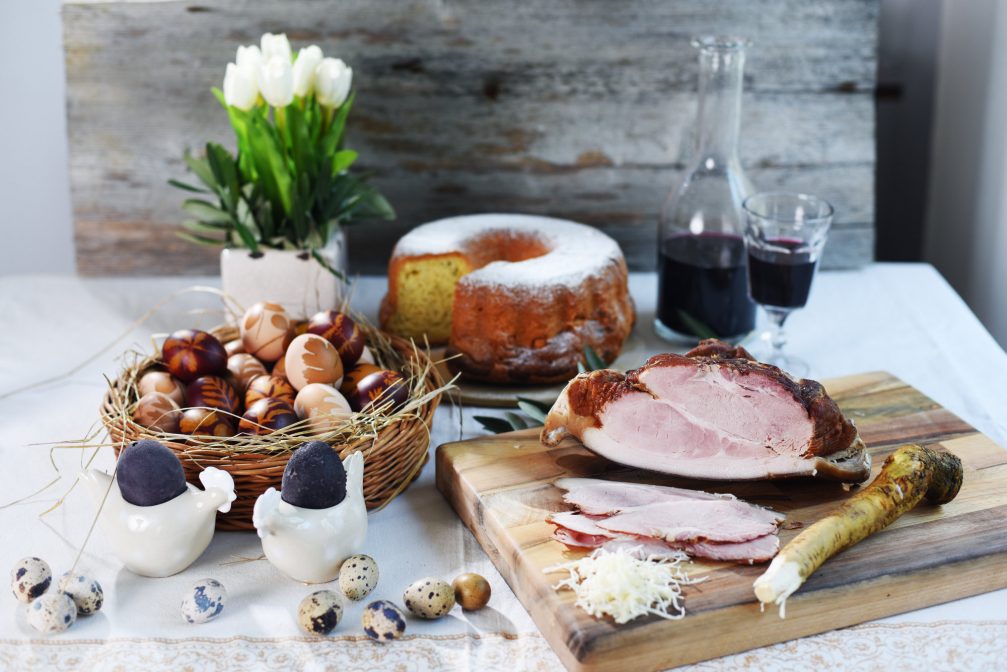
(619, 584)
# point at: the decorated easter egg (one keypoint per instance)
(342, 332)
(354, 375)
(300, 327)
(312, 359)
(244, 368)
(314, 477)
(53, 612)
(85, 592)
(233, 347)
(204, 601)
(157, 411)
(163, 382)
(323, 406)
(266, 416)
(30, 578)
(206, 422)
(320, 612)
(149, 474)
(190, 353)
(269, 387)
(280, 368)
(429, 598)
(383, 390)
(358, 576)
(383, 621)
(266, 330)
(212, 392)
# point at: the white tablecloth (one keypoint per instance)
(901, 318)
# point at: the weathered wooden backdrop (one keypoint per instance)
(580, 109)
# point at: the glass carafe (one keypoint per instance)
(702, 283)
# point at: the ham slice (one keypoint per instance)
(660, 520)
(713, 413)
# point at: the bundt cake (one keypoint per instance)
(517, 298)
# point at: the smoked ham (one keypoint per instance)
(713, 413)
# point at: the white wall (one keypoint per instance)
(35, 219)
(966, 234)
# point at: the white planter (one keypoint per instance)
(294, 279)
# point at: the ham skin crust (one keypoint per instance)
(833, 450)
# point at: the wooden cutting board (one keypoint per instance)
(501, 487)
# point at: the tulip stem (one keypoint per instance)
(327, 115)
(280, 117)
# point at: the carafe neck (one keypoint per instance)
(721, 73)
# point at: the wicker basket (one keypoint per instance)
(393, 455)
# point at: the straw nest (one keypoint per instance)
(394, 445)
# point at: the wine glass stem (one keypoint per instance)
(778, 337)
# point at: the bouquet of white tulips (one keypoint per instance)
(290, 183)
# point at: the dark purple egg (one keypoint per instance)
(190, 353)
(341, 331)
(376, 390)
(314, 477)
(266, 416)
(148, 473)
(212, 392)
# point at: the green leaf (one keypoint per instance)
(516, 421)
(270, 164)
(495, 425)
(197, 226)
(219, 95)
(536, 410)
(317, 256)
(342, 160)
(206, 212)
(187, 187)
(226, 173)
(201, 168)
(199, 240)
(694, 325)
(592, 360)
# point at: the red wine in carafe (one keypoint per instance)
(703, 287)
(780, 277)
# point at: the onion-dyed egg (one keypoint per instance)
(367, 357)
(212, 392)
(244, 368)
(266, 330)
(269, 387)
(280, 368)
(323, 406)
(206, 422)
(312, 359)
(234, 347)
(386, 391)
(300, 327)
(190, 353)
(157, 411)
(354, 375)
(342, 332)
(163, 382)
(149, 473)
(266, 416)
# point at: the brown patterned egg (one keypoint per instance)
(266, 330)
(354, 375)
(163, 382)
(155, 410)
(269, 387)
(341, 331)
(206, 422)
(190, 353)
(244, 368)
(280, 368)
(300, 327)
(212, 392)
(312, 359)
(377, 389)
(322, 404)
(266, 416)
(234, 347)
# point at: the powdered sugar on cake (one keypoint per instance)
(577, 252)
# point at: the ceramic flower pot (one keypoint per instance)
(293, 279)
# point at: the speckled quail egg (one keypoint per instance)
(53, 612)
(429, 598)
(85, 592)
(30, 578)
(358, 576)
(383, 621)
(320, 612)
(204, 601)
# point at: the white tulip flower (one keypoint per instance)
(249, 57)
(276, 81)
(240, 87)
(304, 70)
(275, 45)
(332, 82)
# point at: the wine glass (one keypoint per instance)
(784, 237)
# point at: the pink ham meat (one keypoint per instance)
(713, 413)
(660, 519)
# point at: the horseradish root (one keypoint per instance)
(909, 474)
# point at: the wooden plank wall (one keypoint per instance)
(574, 108)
